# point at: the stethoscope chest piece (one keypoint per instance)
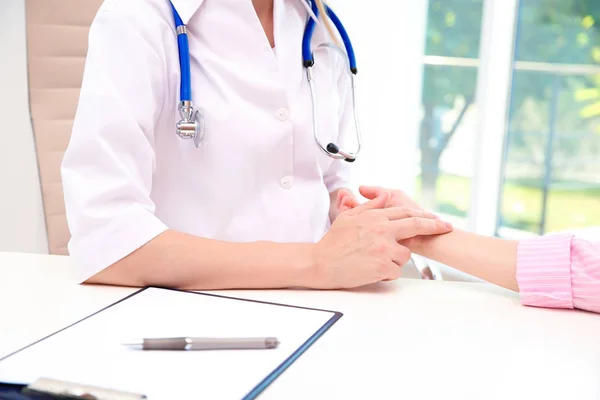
(199, 137)
(191, 125)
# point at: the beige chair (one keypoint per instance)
(57, 37)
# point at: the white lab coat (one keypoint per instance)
(128, 177)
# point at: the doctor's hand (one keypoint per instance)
(341, 199)
(396, 198)
(363, 245)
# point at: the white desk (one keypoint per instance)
(407, 339)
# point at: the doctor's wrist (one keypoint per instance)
(303, 272)
(313, 268)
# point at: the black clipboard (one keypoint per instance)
(19, 392)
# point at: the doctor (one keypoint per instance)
(239, 194)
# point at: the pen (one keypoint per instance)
(198, 343)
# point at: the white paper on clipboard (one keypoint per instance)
(90, 352)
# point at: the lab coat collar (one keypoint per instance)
(187, 8)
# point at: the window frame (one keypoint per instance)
(493, 95)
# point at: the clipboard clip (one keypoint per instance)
(55, 389)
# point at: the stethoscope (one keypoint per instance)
(192, 126)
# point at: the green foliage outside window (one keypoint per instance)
(553, 131)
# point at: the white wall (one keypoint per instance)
(389, 41)
(22, 225)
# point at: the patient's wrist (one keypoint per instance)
(424, 245)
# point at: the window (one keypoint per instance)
(447, 129)
(551, 169)
(510, 126)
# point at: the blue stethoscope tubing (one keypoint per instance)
(191, 125)
(310, 28)
(184, 57)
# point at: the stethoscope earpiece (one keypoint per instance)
(333, 148)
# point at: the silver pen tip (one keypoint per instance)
(272, 343)
(133, 343)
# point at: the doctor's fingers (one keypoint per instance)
(395, 213)
(379, 202)
(393, 257)
(401, 255)
(346, 201)
(415, 226)
(392, 272)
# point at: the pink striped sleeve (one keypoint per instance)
(559, 271)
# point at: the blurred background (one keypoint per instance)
(549, 169)
(486, 111)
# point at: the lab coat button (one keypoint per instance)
(286, 182)
(282, 114)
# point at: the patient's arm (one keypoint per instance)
(554, 271)
(488, 258)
